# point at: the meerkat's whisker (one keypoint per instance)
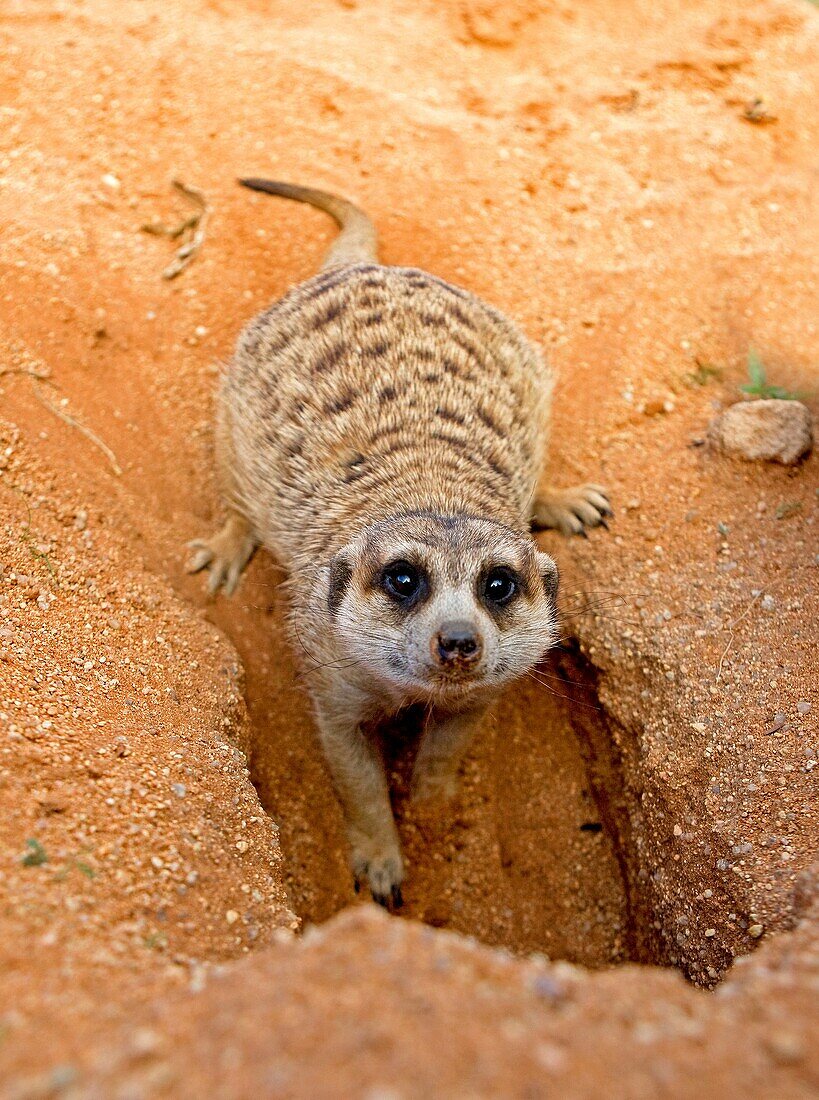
(559, 695)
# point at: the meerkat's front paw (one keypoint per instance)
(224, 555)
(382, 867)
(571, 511)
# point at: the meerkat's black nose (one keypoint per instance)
(458, 641)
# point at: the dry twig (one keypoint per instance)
(193, 226)
(82, 429)
(41, 376)
(730, 628)
(756, 111)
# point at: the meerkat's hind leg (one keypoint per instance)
(571, 511)
(225, 554)
(435, 774)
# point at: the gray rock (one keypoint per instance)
(764, 431)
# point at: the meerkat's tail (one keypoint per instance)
(357, 240)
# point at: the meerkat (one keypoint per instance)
(381, 432)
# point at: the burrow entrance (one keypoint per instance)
(532, 856)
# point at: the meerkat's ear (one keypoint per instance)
(341, 572)
(549, 575)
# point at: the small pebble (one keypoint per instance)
(548, 988)
(769, 430)
(785, 1047)
(145, 1041)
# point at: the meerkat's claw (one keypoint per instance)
(384, 873)
(571, 511)
(393, 900)
(225, 555)
(202, 557)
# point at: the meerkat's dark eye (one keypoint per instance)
(403, 581)
(499, 586)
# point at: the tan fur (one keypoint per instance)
(377, 414)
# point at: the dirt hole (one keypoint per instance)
(534, 855)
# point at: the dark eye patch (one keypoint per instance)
(341, 573)
(550, 582)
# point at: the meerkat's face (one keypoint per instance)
(439, 606)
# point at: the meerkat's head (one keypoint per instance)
(439, 606)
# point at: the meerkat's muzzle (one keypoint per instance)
(456, 646)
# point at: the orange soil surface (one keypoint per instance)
(589, 169)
